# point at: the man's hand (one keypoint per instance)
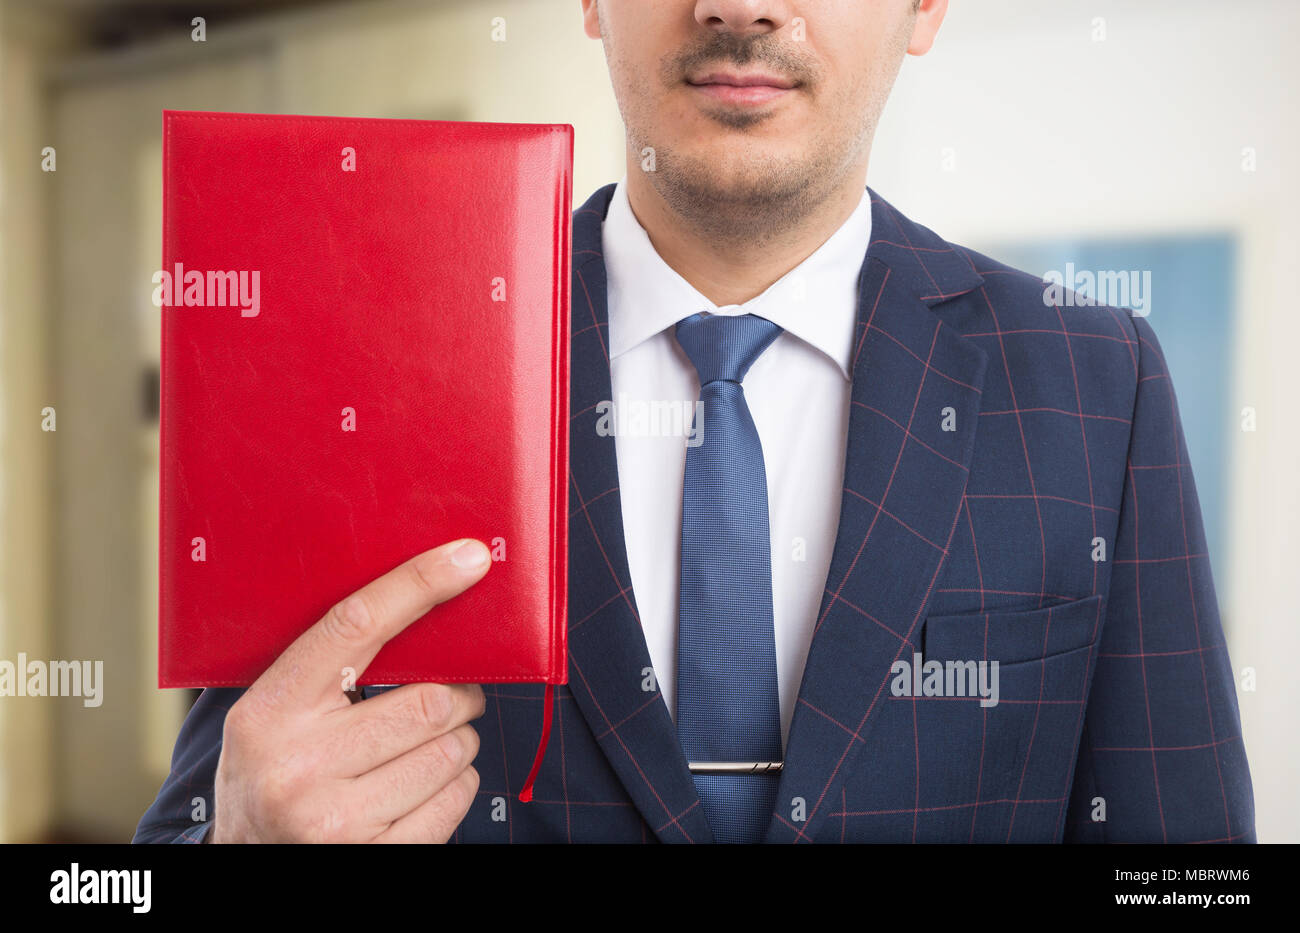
(300, 763)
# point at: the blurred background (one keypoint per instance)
(1158, 135)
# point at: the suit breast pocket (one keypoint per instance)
(1011, 759)
(1013, 637)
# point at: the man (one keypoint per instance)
(929, 565)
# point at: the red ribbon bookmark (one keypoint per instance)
(526, 794)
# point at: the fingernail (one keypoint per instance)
(470, 555)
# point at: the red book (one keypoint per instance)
(365, 354)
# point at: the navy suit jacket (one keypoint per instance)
(1016, 488)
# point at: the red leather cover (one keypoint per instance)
(378, 291)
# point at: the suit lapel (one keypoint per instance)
(609, 664)
(903, 484)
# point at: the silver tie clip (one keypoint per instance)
(735, 767)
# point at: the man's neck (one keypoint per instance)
(731, 271)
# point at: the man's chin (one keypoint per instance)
(721, 175)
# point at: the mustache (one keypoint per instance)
(730, 48)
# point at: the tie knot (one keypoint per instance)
(724, 346)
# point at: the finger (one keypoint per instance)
(378, 730)
(397, 787)
(353, 631)
(437, 818)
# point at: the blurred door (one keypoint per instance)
(109, 761)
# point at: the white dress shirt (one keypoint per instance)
(798, 392)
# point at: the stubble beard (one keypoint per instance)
(759, 200)
(756, 199)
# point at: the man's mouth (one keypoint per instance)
(750, 88)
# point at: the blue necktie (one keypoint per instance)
(728, 709)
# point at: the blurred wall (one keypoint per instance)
(26, 42)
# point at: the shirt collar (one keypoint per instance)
(815, 301)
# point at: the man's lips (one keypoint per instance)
(742, 89)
